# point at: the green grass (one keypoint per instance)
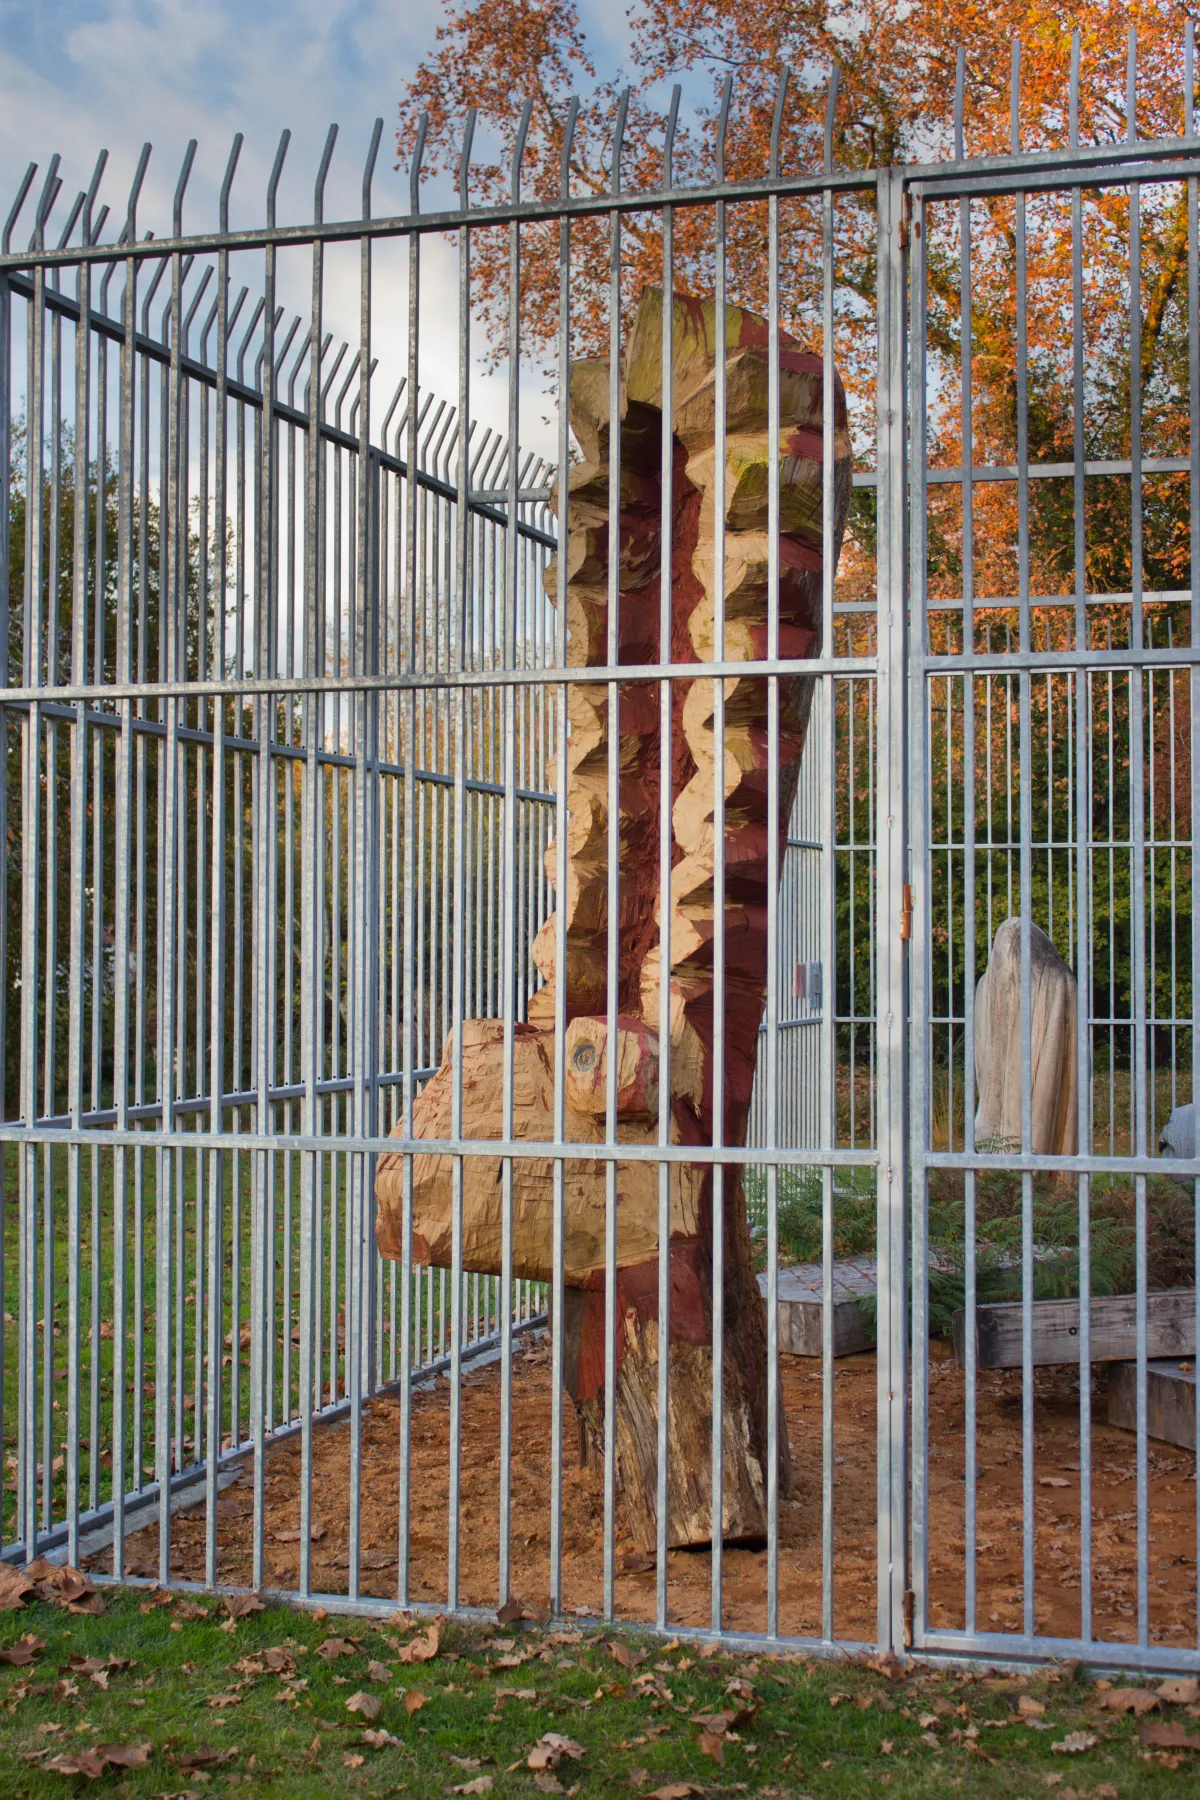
(817, 1728)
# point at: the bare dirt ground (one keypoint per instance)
(1172, 1511)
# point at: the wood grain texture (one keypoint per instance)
(1170, 1330)
(1170, 1401)
(739, 765)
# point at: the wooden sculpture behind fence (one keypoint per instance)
(748, 455)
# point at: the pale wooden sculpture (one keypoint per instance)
(998, 1062)
(748, 457)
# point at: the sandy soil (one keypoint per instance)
(1056, 1511)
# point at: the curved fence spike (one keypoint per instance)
(414, 167)
(185, 271)
(285, 138)
(669, 137)
(194, 308)
(296, 366)
(14, 211)
(830, 116)
(369, 168)
(322, 173)
(150, 292)
(135, 193)
(64, 236)
(45, 205)
(777, 122)
(260, 359)
(235, 311)
(564, 167)
(93, 189)
(337, 363)
(518, 155)
(211, 320)
(293, 328)
(345, 389)
(387, 417)
(464, 158)
(723, 124)
(227, 184)
(98, 226)
(185, 175)
(250, 330)
(618, 142)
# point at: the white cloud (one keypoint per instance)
(74, 78)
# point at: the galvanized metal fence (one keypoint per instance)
(284, 702)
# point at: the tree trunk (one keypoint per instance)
(710, 756)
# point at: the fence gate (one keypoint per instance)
(1054, 682)
(350, 750)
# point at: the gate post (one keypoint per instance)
(891, 855)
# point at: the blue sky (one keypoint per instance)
(78, 75)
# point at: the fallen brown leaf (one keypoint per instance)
(675, 1790)
(1130, 1700)
(23, 1652)
(331, 1648)
(414, 1700)
(353, 1761)
(377, 1740)
(1054, 1481)
(84, 1762)
(1075, 1743)
(377, 1671)
(189, 1609)
(369, 1706)
(1028, 1707)
(238, 1605)
(424, 1647)
(1161, 1736)
(482, 1784)
(550, 1749)
(125, 1756)
(546, 1783)
(628, 1659)
(711, 1745)
(1180, 1690)
(512, 1610)
(160, 1597)
(203, 1759)
(888, 1664)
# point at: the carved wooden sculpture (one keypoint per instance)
(998, 1063)
(748, 455)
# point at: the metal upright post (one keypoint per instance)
(891, 860)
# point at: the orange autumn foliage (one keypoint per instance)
(896, 67)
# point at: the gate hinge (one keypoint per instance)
(906, 913)
(909, 1605)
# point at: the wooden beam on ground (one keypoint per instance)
(1170, 1330)
(1170, 1401)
